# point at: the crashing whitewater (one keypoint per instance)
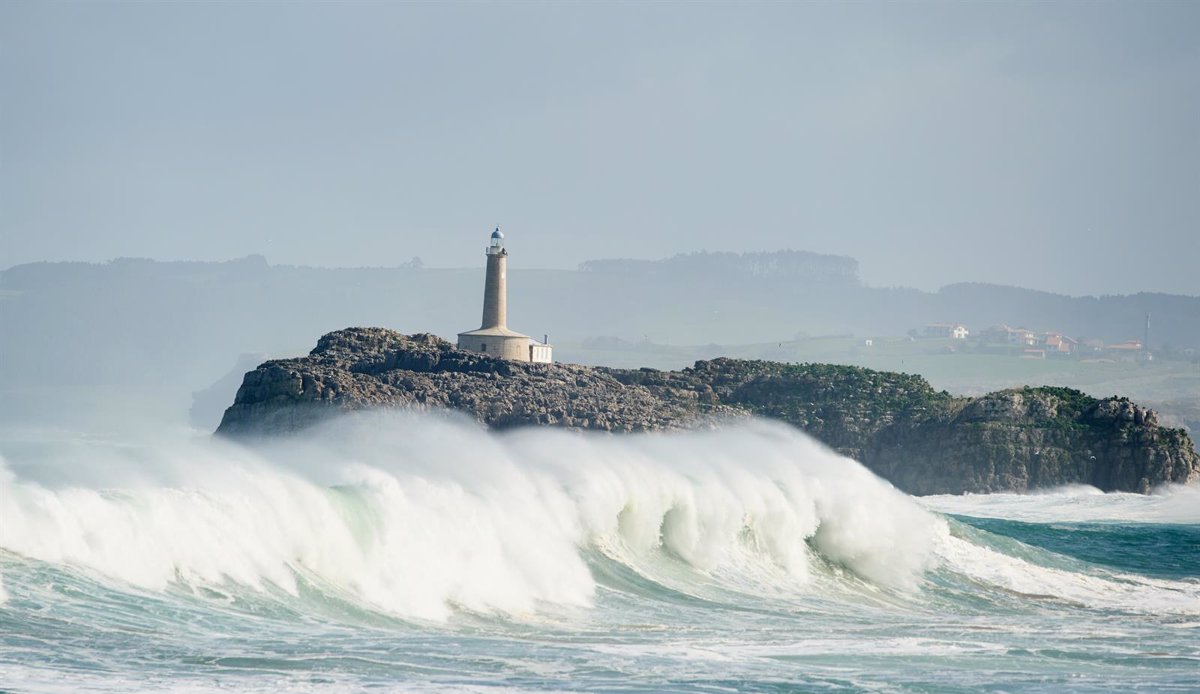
(419, 551)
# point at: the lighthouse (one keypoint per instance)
(493, 336)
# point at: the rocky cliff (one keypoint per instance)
(924, 441)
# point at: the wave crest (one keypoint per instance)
(418, 515)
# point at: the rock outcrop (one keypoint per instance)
(924, 441)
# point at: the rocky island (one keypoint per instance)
(923, 441)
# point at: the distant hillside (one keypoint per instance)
(186, 323)
(809, 292)
(127, 320)
(1175, 320)
(788, 265)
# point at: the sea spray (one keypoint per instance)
(417, 514)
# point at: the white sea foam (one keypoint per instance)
(1106, 590)
(417, 514)
(1078, 504)
(1167, 504)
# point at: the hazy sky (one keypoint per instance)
(1050, 145)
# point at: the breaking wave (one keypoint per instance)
(419, 515)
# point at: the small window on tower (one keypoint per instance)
(482, 346)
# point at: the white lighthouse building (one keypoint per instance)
(493, 336)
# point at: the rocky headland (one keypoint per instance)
(922, 440)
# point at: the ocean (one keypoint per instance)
(405, 552)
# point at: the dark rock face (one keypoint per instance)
(360, 368)
(1035, 438)
(923, 441)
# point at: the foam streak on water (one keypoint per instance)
(409, 552)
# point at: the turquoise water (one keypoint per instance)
(1162, 550)
(402, 553)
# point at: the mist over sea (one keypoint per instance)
(402, 551)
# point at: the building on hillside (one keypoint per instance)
(1021, 336)
(1012, 336)
(1129, 349)
(493, 336)
(956, 331)
(1057, 343)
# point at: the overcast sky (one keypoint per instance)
(1049, 145)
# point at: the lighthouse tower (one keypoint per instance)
(493, 336)
(495, 285)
